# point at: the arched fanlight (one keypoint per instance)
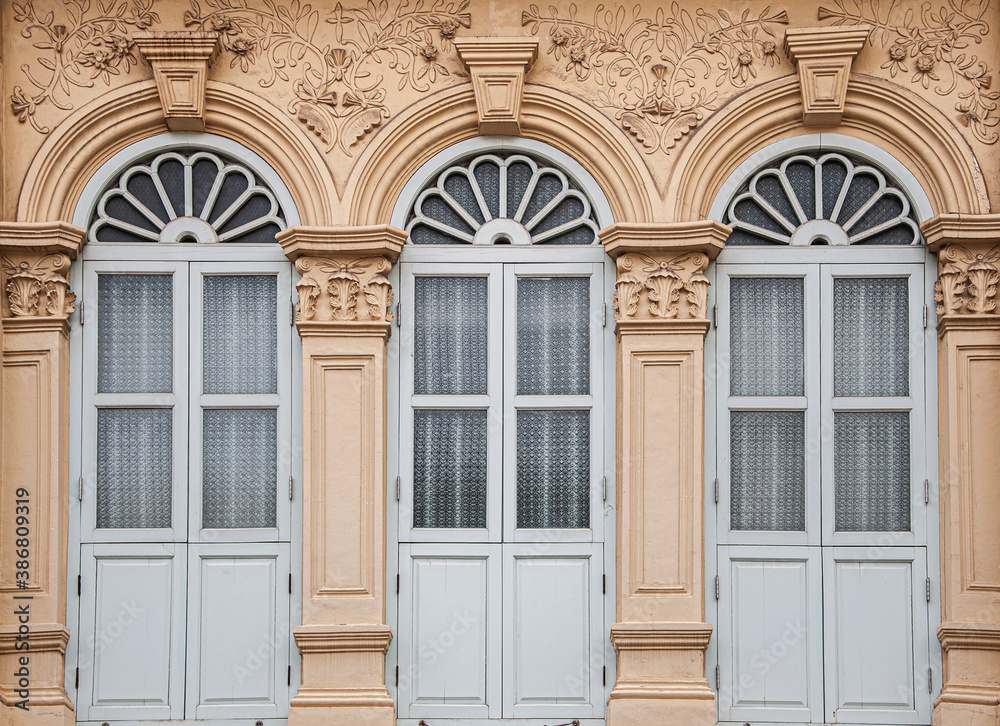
(826, 200)
(490, 199)
(187, 198)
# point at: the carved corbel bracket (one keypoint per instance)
(661, 270)
(179, 59)
(824, 57)
(344, 270)
(35, 267)
(968, 248)
(498, 67)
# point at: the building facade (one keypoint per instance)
(466, 363)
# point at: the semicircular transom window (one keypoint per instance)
(187, 197)
(502, 199)
(821, 199)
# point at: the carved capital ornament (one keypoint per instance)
(968, 249)
(35, 266)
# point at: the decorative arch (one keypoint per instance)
(88, 138)
(557, 119)
(877, 112)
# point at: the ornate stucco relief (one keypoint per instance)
(86, 42)
(340, 64)
(932, 45)
(331, 289)
(37, 286)
(659, 76)
(661, 283)
(967, 280)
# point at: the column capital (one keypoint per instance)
(661, 271)
(344, 288)
(968, 247)
(35, 262)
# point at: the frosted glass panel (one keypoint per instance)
(553, 469)
(135, 333)
(450, 335)
(134, 467)
(872, 471)
(766, 336)
(553, 336)
(239, 474)
(449, 469)
(871, 337)
(768, 470)
(240, 334)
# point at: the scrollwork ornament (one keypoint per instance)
(38, 288)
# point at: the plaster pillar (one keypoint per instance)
(36, 306)
(660, 320)
(968, 249)
(344, 321)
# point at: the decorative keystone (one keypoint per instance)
(824, 56)
(498, 67)
(180, 66)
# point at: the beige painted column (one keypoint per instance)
(969, 398)
(660, 313)
(33, 496)
(344, 320)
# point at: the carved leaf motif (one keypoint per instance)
(697, 296)
(378, 295)
(642, 131)
(361, 124)
(343, 297)
(626, 300)
(664, 293)
(308, 290)
(314, 121)
(678, 130)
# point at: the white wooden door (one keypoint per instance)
(501, 516)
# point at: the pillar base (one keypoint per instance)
(971, 692)
(966, 714)
(341, 715)
(645, 711)
(47, 715)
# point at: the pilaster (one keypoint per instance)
(36, 306)
(968, 249)
(344, 321)
(660, 314)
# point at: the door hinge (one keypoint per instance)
(397, 676)
(82, 303)
(925, 316)
(79, 585)
(604, 584)
(930, 680)
(76, 682)
(604, 489)
(397, 488)
(604, 676)
(289, 583)
(716, 490)
(289, 675)
(928, 589)
(718, 679)
(716, 587)
(290, 489)
(927, 491)
(397, 584)
(79, 490)
(604, 316)
(715, 315)
(291, 312)
(399, 314)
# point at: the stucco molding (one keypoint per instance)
(824, 56)
(497, 67)
(35, 260)
(968, 263)
(179, 59)
(343, 638)
(974, 636)
(876, 111)
(661, 636)
(661, 268)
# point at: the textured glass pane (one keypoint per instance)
(766, 336)
(135, 333)
(449, 469)
(553, 469)
(871, 351)
(134, 467)
(450, 322)
(240, 334)
(768, 480)
(872, 471)
(240, 470)
(553, 336)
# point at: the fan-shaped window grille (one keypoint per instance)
(495, 199)
(821, 200)
(197, 197)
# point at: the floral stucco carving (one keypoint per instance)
(967, 280)
(661, 288)
(37, 287)
(337, 60)
(332, 289)
(932, 47)
(88, 41)
(657, 76)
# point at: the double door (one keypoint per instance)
(501, 523)
(185, 518)
(822, 503)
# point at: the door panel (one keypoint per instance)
(773, 622)
(237, 668)
(553, 620)
(876, 609)
(132, 632)
(448, 631)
